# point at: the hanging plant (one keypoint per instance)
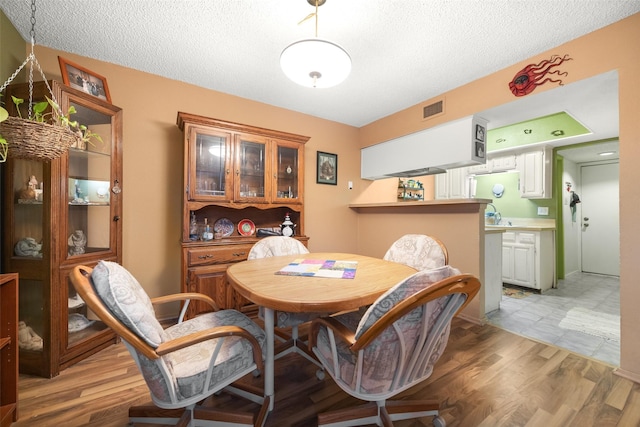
(41, 135)
(4, 146)
(55, 117)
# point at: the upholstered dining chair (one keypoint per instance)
(392, 347)
(185, 363)
(279, 246)
(419, 251)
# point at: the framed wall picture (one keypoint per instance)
(480, 133)
(80, 78)
(327, 168)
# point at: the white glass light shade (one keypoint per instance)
(315, 63)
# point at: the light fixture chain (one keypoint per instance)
(15, 74)
(31, 60)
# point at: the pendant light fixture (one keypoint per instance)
(315, 62)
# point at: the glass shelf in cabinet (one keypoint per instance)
(76, 152)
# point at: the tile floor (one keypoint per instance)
(538, 316)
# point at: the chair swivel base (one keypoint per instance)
(197, 415)
(384, 415)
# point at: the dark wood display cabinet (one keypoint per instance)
(238, 179)
(8, 349)
(56, 215)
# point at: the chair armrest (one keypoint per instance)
(212, 333)
(338, 328)
(461, 283)
(185, 296)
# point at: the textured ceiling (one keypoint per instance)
(403, 51)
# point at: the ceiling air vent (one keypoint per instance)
(434, 109)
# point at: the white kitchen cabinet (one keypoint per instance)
(503, 163)
(528, 258)
(535, 173)
(453, 184)
(481, 169)
(494, 164)
(492, 271)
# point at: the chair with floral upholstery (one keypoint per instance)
(185, 363)
(392, 347)
(419, 251)
(279, 246)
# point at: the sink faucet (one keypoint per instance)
(496, 215)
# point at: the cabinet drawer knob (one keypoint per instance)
(205, 256)
(239, 253)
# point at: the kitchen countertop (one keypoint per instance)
(531, 224)
(501, 228)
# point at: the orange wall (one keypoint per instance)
(612, 48)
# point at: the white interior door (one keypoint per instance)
(600, 219)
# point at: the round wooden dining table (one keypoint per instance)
(257, 281)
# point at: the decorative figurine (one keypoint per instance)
(28, 247)
(77, 243)
(27, 337)
(75, 301)
(78, 322)
(30, 191)
(78, 197)
(287, 227)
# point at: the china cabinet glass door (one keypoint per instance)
(210, 154)
(27, 246)
(286, 172)
(90, 187)
(92, 195)
(251, 163)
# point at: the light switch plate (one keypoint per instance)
(543, 210)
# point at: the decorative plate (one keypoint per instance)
(246, 227)
(223, 227)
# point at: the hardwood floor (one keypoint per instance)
(487, 377)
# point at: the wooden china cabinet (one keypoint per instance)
(71, 217)
(238, 179)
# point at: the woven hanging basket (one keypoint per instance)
(34, 140)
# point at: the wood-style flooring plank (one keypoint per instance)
(487, 377)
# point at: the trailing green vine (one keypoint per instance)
(53, 117)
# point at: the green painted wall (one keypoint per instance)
(511, 204)
(13, 51)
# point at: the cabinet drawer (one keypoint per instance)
(223, 255)
(509, 236)
(526, 238)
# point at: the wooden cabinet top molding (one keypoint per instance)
(184, 118)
